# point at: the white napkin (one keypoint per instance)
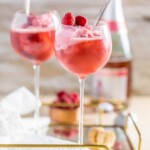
(15, 130)
(10, 123)
(17, 103)
(22, 100)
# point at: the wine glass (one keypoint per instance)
(32, 37)
(82, 51)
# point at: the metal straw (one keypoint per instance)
(101, 12)
(27, 7)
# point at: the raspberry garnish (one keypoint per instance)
(80, 20)
(68, 19)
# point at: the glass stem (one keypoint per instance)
(80, 138)
(36, 90)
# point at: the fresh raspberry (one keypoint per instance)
(65, 99)
(68, 19)
(80, 20)
(75, 98)
(61, 93)
(74, 95)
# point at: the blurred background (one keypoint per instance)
(15, 72)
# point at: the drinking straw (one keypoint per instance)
(101, 12)
(27, 7)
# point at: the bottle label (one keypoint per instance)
(111, 84)
(115, 26)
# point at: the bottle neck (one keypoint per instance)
(114, 11)
(114, 16)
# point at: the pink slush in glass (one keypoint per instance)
(33, 46)
(82, 55)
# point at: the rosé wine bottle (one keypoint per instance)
(118, 71)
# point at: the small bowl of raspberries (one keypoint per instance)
(65, 108)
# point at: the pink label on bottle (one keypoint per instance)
(117, 26)
(118, 73)
(111, 84)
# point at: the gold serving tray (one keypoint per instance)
(91, 102)
(123, 132)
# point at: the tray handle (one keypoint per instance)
(53, 146)
(129, 116)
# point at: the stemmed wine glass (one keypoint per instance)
(32, 37)
(82, 51)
